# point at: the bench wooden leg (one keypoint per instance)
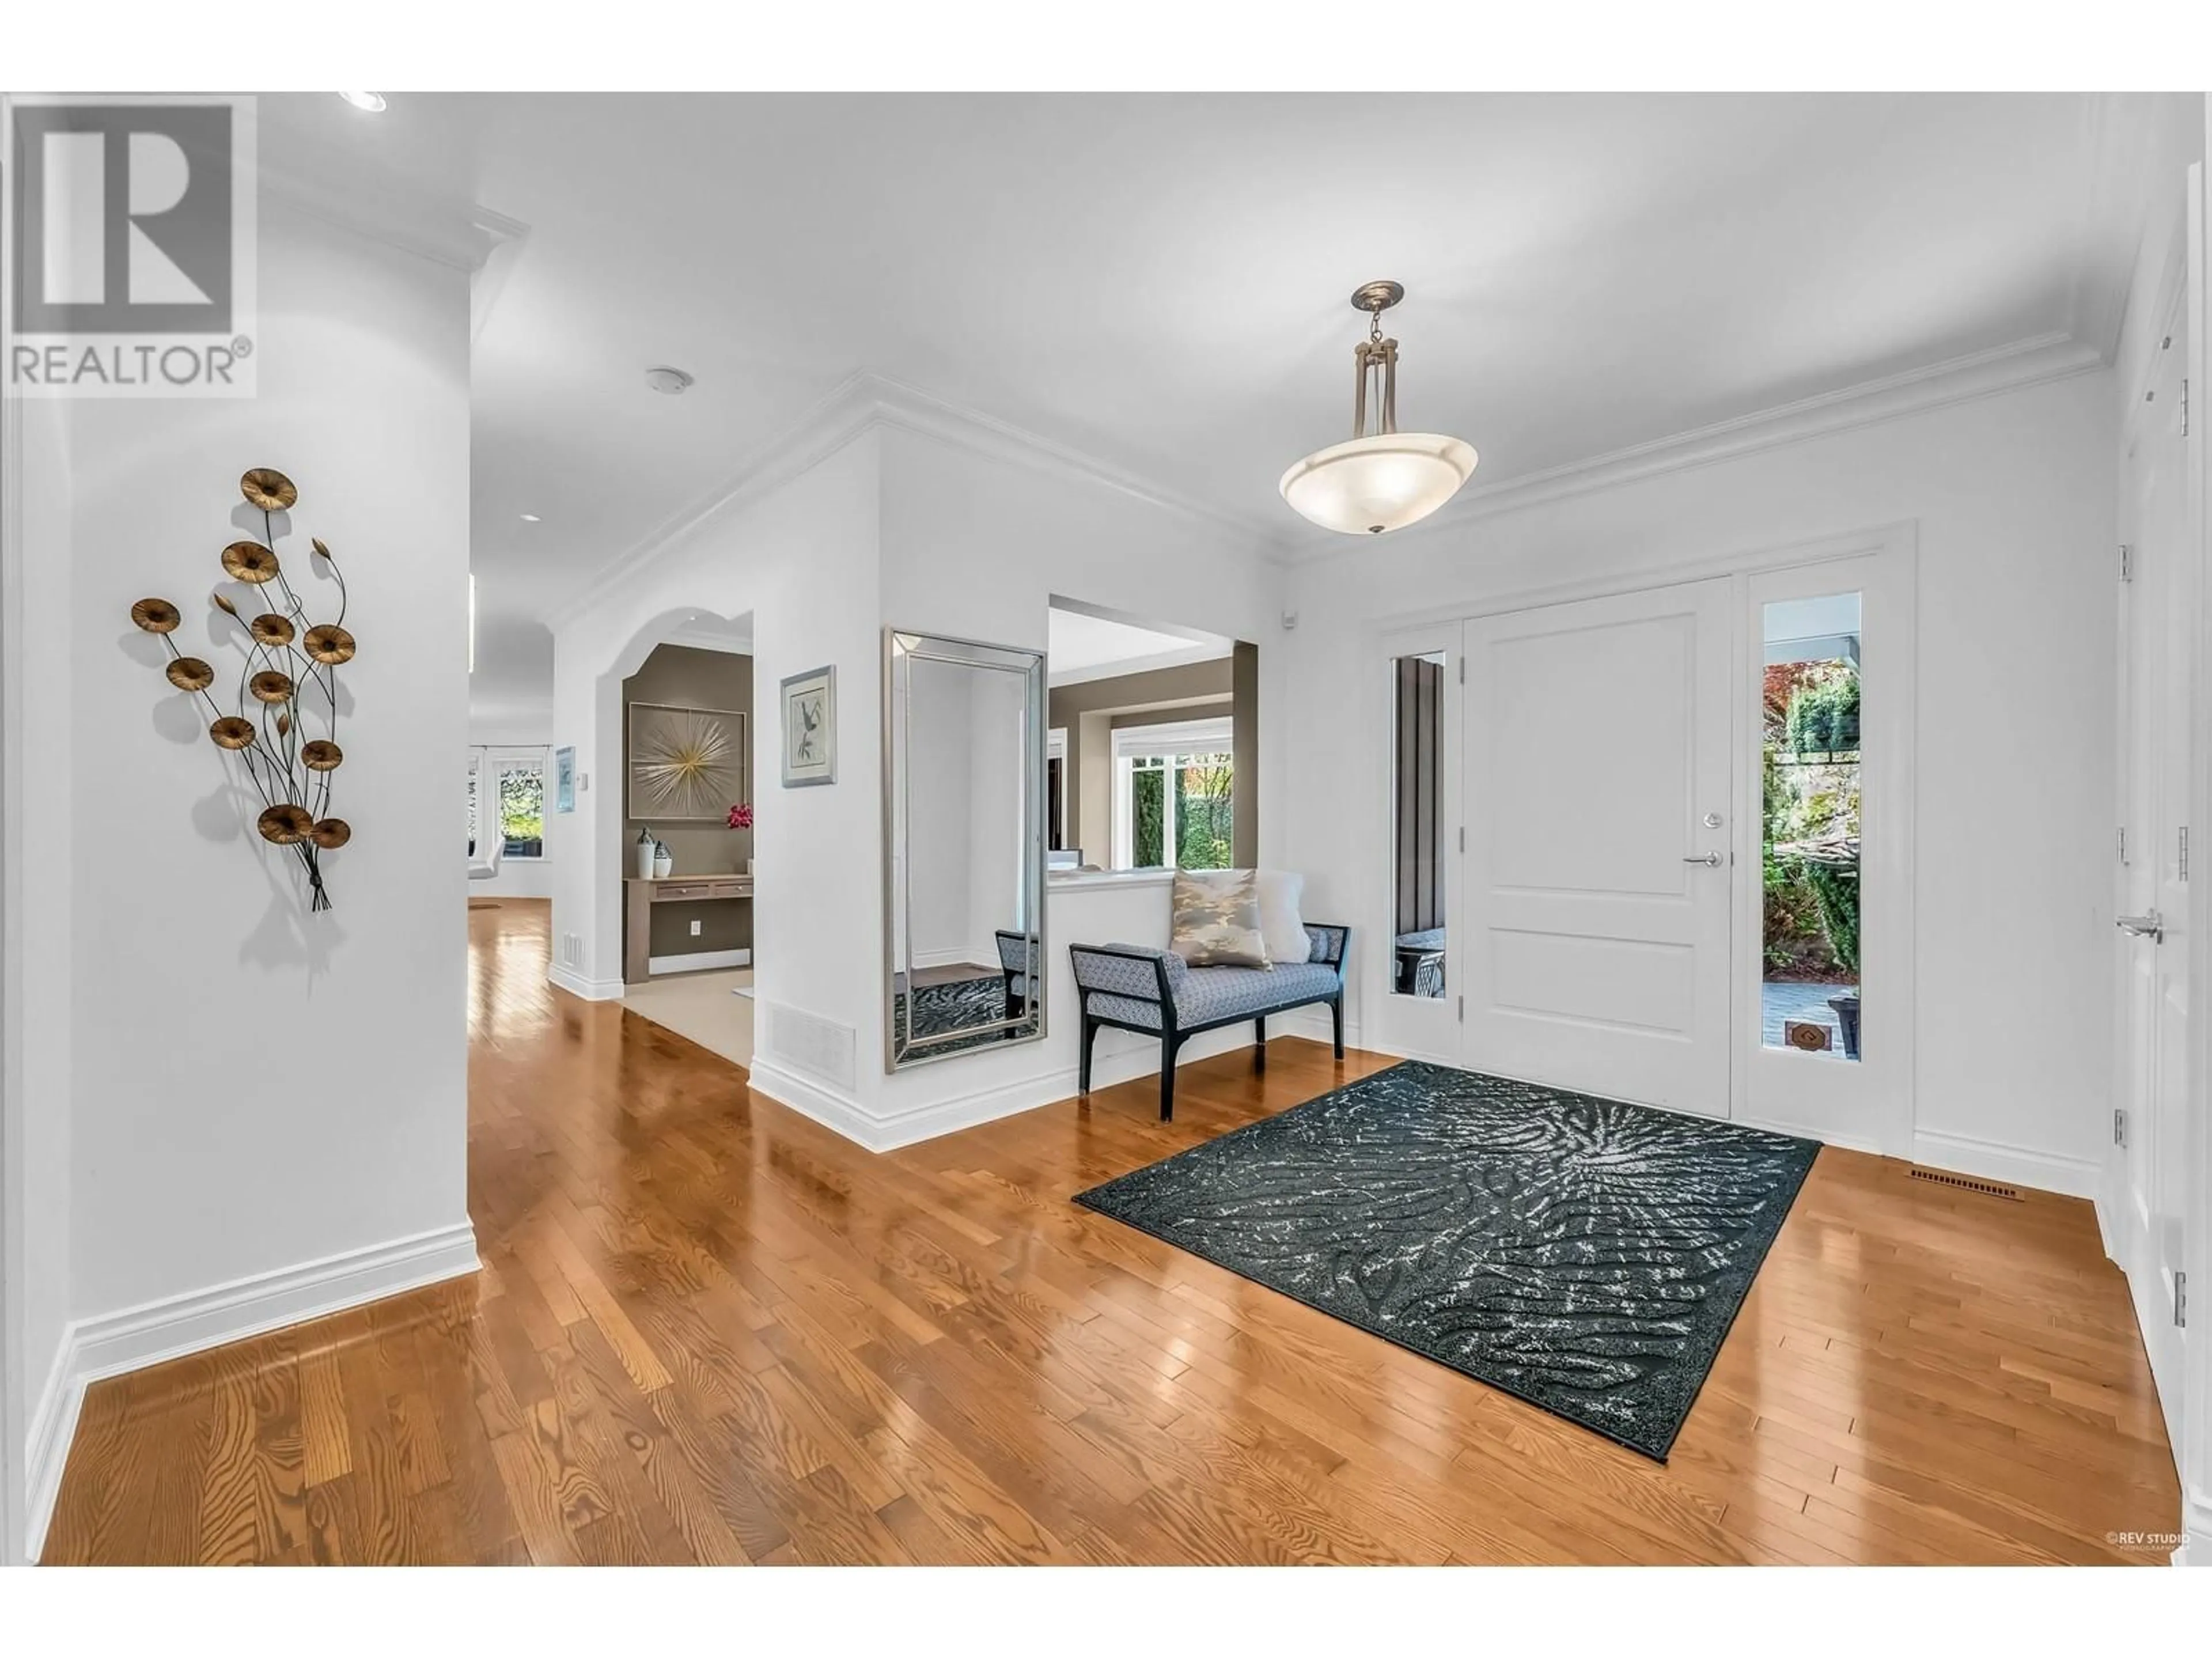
(1336, 1018)
(1083, 1068)
(1260, 1043)
(1168, 1048)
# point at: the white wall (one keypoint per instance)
(35, 1050)
(974, 545)
(999, 739)
(2012, 496)
(938, 814)
(250, 1089)
(869, 524)
(801, 559)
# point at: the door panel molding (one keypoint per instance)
(1595, 940)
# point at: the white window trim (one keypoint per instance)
(488, 760)
(1055, 749)
(1163, 742)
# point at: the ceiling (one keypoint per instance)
(1081, 646)
(1161, 282)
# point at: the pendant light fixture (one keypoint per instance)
(1386, 479)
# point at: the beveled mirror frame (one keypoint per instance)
(913, 646)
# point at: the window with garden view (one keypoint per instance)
(1809, 750)
(1171, 796)
(512, 782)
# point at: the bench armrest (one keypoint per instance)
(1018, 954)
(1144, 972)
(1331, 943)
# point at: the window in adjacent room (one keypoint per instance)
(510, 783)
(1171, 796)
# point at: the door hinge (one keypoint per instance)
(1462, 838)
(1462, 1011)
(2123, 843)
(2119, 1126)
(2184, 852)
(2127, 562)
(2184, 409)
(1462, 671)
(2181, 1298)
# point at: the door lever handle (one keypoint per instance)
(1710, 860)
(2152, 926)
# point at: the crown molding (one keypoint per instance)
(912, 410)
(2025, 362)
(863, 403)
(328, 185)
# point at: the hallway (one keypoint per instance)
(709, 1329)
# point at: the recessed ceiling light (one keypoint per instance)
(371, 102)
(670, 381)
(530, 518)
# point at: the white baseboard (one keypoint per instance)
(698, 962)
(131, 1339)
(2196, 1527)
(1314, 1024)
(1125, 1061)
(811, 1099)
(591, 990)
(53, 1427)
(1996, 1160)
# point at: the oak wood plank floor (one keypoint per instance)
(708, 1330)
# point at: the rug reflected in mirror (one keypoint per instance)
(1585, 1254)
(943, 1009)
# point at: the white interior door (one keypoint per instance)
(2159, 612)
(1598, 887)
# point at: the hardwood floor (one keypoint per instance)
(708, 1330)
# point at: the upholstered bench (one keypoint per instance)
(1133, 988)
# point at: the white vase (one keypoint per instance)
(749, 866)
(663, 864)
(644, 859)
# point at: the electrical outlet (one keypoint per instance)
(695, 928)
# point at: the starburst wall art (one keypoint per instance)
(288, 681)
(685, 762)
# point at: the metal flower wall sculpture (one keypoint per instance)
(289, 674)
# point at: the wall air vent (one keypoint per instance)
(807, 1042)
(1966, 1183)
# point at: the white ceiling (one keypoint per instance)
(1082, 646)
(1160, 281)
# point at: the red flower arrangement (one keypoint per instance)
(741, 816)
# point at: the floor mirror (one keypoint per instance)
(964, 847)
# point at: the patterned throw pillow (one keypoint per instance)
(1216, 919)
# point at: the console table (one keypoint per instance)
(640, 895)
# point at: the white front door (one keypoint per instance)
(2159, 611)
(1597, 787)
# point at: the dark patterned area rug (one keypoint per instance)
(1585, 1254)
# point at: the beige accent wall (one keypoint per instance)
(687, 678)
(1091, 711)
